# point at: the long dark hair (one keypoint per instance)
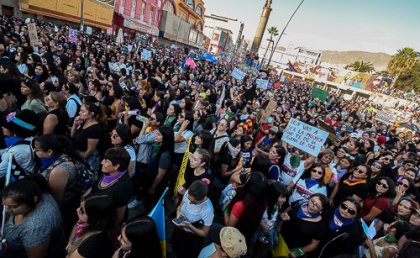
(391, 187)
(275, 190)
(142, 234)
(100, 212)
(24, 191)
(58, 144)
(167, 139)
(307, 173)
(254, 198)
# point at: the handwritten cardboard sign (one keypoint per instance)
(304, 137)
(238, 74)
(33, 35)
(385, 117)
(262, 84)
(266, 113)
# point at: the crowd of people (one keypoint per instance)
(91, 130)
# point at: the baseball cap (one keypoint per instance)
(354, 135)
(230, 239)
(274, 129)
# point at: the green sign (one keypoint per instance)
(319, 94)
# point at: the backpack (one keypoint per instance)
(17, 171)
(85, 175)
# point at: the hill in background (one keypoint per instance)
(378, 60)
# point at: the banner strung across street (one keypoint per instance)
(304, 137)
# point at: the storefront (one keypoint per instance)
(138, 29)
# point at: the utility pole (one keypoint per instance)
(282, 32)
(261, 27)
(81, 15)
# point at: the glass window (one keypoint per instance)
(190, 3)
(198, 10)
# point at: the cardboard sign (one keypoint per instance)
(385, 117)
(319, 94)
(146, 54)
(72, 37)
(262, 84)
(304, 137)
(331, 132)
(266, 113)
(33, 35)
(238, 74)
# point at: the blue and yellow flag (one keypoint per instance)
(158, 216)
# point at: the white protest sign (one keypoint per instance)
(385, 117)
(262, 84)
(146, 54)
(89, 30)
(238, 74)
(33, 35)
(304, 137)
(72, 36)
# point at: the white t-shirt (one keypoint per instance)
(302, 192)
(193, 213)
(181, 147)
(288, 173)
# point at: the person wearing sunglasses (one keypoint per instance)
(343, 231)
(311, 182)
(404, 188)
(304, 228)
(378, 198)
(352, 184)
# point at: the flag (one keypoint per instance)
(181, 174)
(190, 62)
(182, 66)
(158, 216)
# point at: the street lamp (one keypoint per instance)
(282, 32)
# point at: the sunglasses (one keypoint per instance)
(181, 116)
(385, 186)
(348, 209)
(405, 185)
(317, 171)
(152, 118)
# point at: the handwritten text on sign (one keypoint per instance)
(304, 137)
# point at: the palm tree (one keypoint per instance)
(361, 67)
(273, 31)
(402, 62)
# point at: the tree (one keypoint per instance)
(402, 63)
(410, 80)
(361, 67)
(273, 31)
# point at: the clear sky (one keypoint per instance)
(364, 25)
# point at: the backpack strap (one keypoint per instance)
(59, 161)
(17, 171)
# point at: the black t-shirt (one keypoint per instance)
(121, 191)
(299, 233)
(346, 190)
(96, 246)
(82, 135)
(63, 120)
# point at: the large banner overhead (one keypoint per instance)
(95, 13)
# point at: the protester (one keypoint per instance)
(224, 129)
